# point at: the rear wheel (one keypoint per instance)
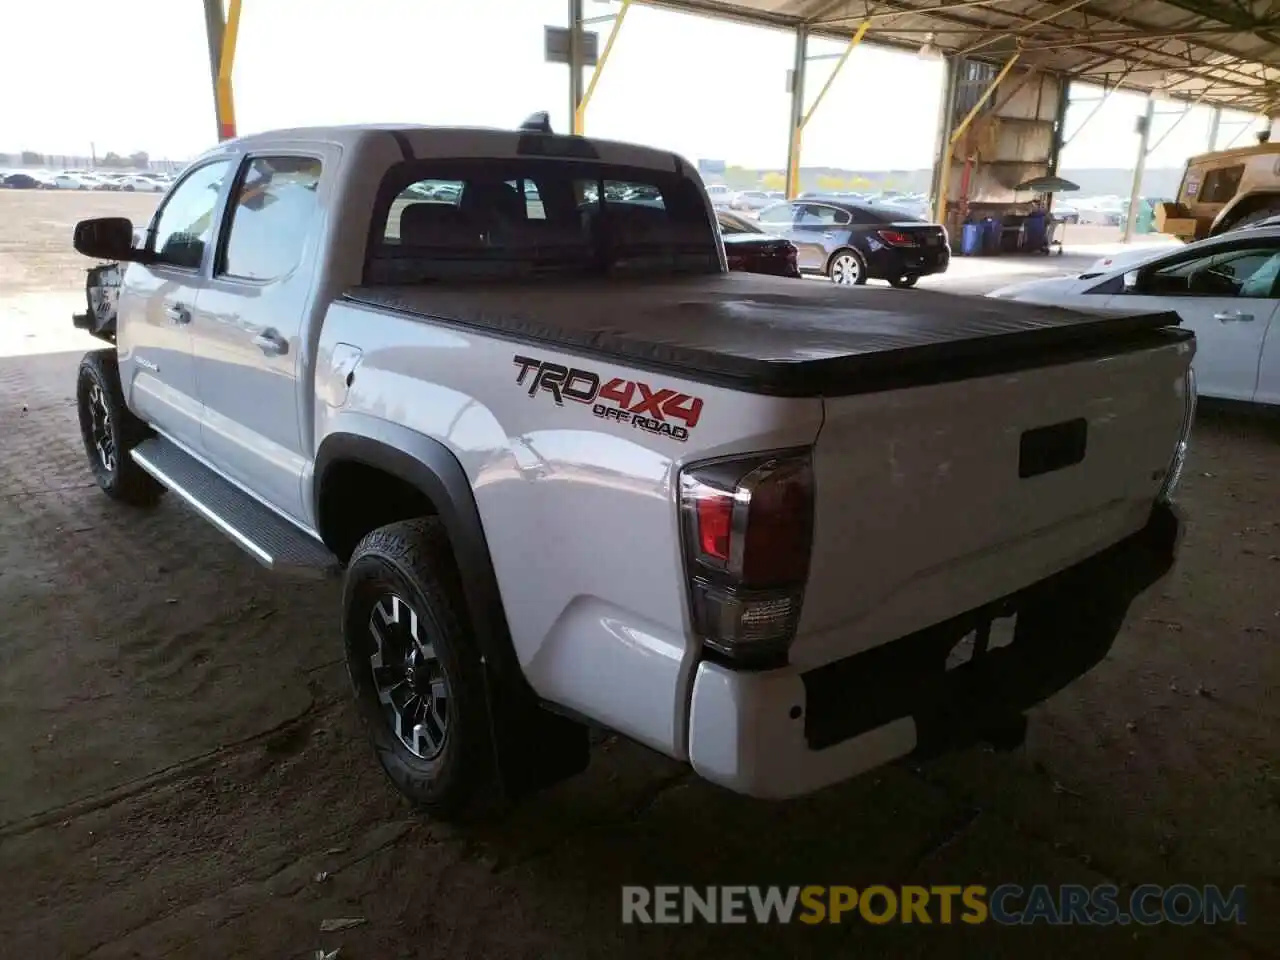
(109, 431)
(1255, 216)
(847, 268)
(414, 667)
(902, 283)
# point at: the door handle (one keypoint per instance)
(271, 343)
(1232, 316)
(177, 313)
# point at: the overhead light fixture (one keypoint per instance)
(928, 51)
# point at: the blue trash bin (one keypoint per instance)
(971, 240)
(991, 228)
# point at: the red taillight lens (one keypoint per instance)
(748, 533)
(778, 531)
(896, 238)
(715, 513)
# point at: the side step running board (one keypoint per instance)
(269, 538)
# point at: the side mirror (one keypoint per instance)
(106, 238)
(1130, 281)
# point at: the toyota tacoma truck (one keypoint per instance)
(576, 474)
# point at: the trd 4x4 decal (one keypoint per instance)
(624, 401)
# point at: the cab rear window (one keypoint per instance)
(456, 219)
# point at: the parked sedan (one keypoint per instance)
(1226, 289)
(721, 196)
(751, 200)
(750, 249)
(853, 242)
(21, 181)
(140, 184)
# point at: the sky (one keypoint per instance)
(707, 89)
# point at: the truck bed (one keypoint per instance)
(777, 336)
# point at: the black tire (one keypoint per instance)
(836, 273)
(406, 570)
(903, 283)
(109, 431)
(1254, 217)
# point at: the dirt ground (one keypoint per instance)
(181, 774)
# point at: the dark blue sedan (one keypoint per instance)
(853, 242)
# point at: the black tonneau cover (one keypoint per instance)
(778, 336)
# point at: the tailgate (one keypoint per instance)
(933, 500)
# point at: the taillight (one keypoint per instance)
(748, 530)
(896, 238)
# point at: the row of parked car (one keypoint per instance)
(83, 180)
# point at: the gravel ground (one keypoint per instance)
(183, 776)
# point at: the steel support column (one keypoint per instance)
(946, 121)
(1214, 123)
(580, 114)
(1059, 128)
(797, 130)
(948, 150)
(221, 37)
(797, 111)
(575, 61)
(1139, 169)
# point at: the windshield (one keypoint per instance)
(494, 219)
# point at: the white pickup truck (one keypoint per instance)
(575, 472)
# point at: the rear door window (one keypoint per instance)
(821, 215)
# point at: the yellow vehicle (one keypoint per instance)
(1226, 189)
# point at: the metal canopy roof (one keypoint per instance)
(1219, 52)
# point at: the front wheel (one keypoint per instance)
(903, 283)
(847, 269)
(414, 666)
(110, 431)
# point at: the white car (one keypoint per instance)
(140, 184)
(721, 196)
(71, 181)
(1226, 289)
(751, 200)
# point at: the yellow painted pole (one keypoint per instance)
(793, 187)
(226, 101)
(948, 150)
(580, 114)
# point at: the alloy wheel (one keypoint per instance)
(409, 677)
(846, 269)
(100, 428)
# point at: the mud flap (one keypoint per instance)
(533, 747)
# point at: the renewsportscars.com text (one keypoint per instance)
(1007, 904)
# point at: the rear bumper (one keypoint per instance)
(783, 733)
(893, 262)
